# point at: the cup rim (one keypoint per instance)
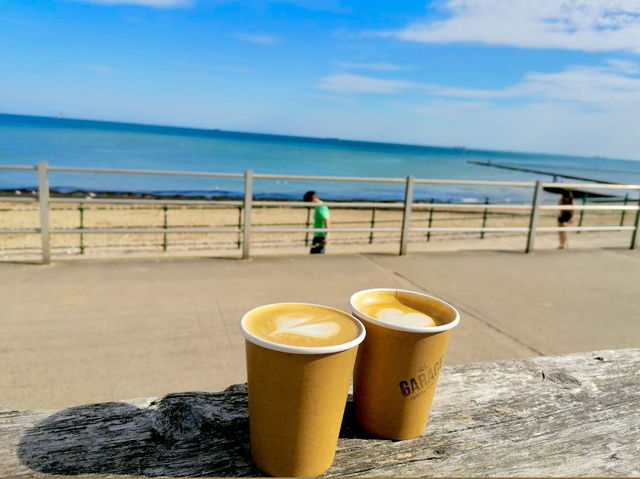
(429, 329)
(286, 348)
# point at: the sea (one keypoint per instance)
(62, 142)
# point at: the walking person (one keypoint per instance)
(320, 221)
(564, 218)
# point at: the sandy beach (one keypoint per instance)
(15, 215)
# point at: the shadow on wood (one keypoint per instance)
(192, 434)
(181, 434)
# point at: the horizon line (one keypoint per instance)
(314, 139)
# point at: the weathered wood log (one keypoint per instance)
(574, 415)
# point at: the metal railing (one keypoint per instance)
(245, 206)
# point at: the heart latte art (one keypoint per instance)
(398, 308)
(302, 325)
(306, 327)
(401, 317)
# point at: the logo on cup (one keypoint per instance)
(418, 385)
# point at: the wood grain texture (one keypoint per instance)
(574, 415)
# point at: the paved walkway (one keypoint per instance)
(82, 331)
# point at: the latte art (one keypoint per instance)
(402, 317)
(400, 309)
(304, 325)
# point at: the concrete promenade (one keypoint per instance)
(76, 332)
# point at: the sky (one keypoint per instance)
(554, 76)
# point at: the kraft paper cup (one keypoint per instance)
(297, 397)
(397, 368)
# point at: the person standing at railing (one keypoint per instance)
(320, 221)
(564, 218)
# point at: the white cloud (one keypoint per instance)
(589, 110)
(624, 66)
(604, 87)
(616, 83)
(588, 25)
(348, 83)
(144, 3)
(381, 67)
(258, 38)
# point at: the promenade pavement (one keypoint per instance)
(76, 332)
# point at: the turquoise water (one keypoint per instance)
(26, 140)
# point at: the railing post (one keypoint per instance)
(635, 235)
(373, 224)
(406, 217)
(626, 200)
(81, 209)
(248, 202)
(308, 223)
(164, 236)
(430, 221)
(43, 196)
(239, 227)
(584, 201)
(533, 221)
(484, 217)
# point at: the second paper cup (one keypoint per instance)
(397, 368)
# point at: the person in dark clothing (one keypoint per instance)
(565, 218)
(320, 221)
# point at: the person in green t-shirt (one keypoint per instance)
(320, 221)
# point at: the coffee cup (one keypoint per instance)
(399, 362)
(300, 360)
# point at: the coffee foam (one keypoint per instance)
(398, 314)
(400, 308)
(302, 325)
(403, 316)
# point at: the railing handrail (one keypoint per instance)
(245, 227)
(269, 176)
(152, 201)
(333, 204)
(602, 186)
(18, 167)
(363, 179)
(260, 229)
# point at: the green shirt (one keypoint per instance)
(320, 215)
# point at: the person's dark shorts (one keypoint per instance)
(317, 245)
(565, 217)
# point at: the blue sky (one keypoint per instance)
(557, 76)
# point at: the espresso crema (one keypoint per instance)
(301, 325)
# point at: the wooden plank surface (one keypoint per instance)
(574, 415)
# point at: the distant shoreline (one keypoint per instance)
(87, 195)
(169, 196)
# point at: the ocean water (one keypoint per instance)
(26, 140)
